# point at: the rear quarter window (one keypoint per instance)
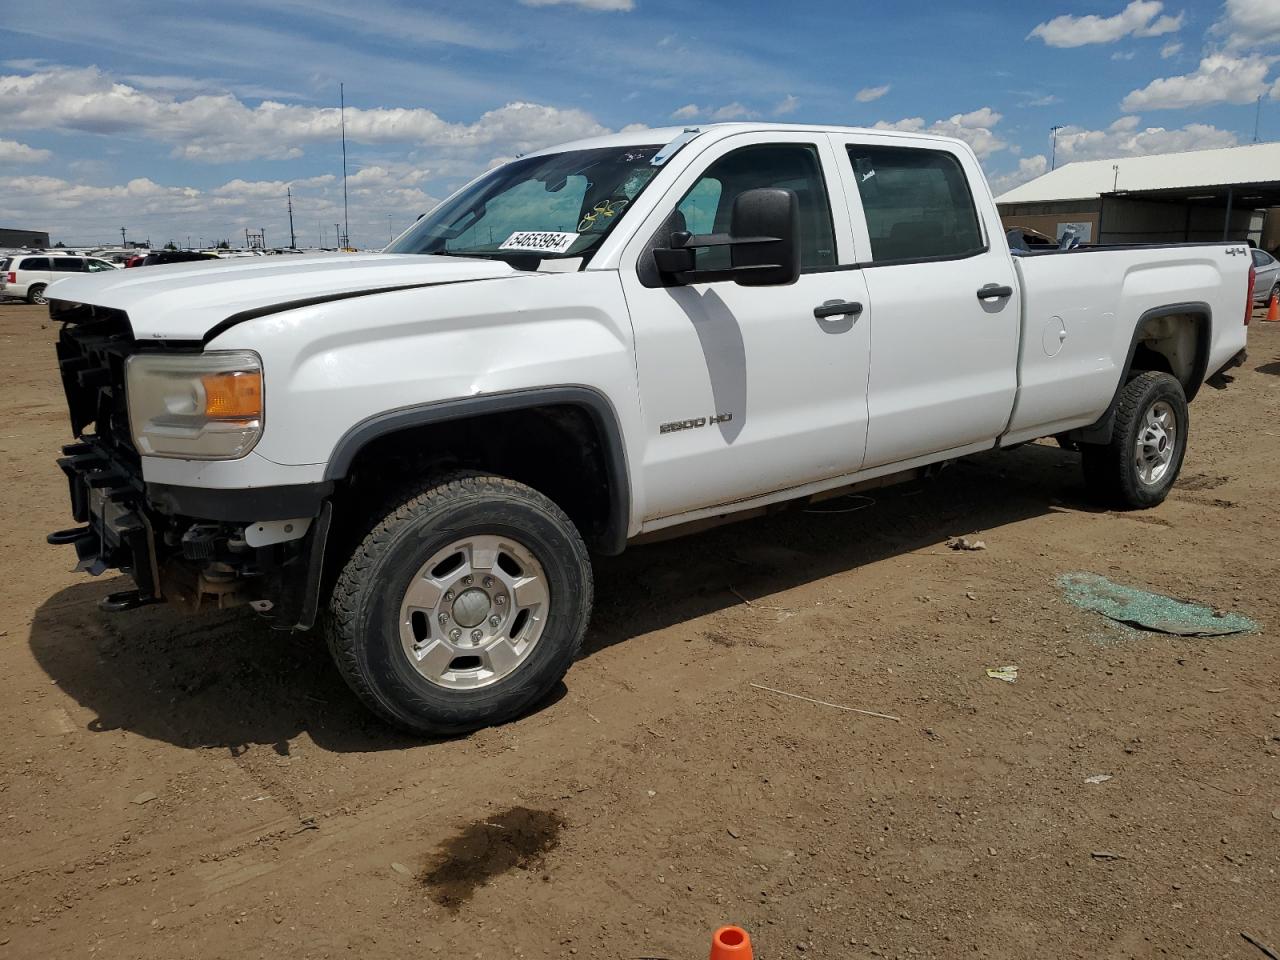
(33, 263)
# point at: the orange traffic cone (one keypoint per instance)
(1273, 311)
(731, 943)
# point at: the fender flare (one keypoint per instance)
(595, 404)
(1100, 430)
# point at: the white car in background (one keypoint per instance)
(27, 275)
(1266, 281)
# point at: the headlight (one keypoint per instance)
(205, 406)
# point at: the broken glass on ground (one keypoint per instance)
(1150, 611)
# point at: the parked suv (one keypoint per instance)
(27, 275)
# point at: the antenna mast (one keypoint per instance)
(293, 239)
(342, 113)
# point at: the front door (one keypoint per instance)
(744, 390)
(946, 358)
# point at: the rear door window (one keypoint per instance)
(68, 265)
(34, 263)
(917, 204)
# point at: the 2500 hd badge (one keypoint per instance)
(676, 425)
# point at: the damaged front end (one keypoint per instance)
(198, 549)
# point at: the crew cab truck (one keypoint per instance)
(621, 337)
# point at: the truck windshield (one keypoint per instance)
(559, 205)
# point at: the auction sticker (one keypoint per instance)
(539, 241)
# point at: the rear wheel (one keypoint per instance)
(463, 607)
(35, 294)
(1140, 464)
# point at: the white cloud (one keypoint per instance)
(1124, 55)
(1170, 50)
(1141, 18)
(81, 213)
(1220, 78)
(867, 94)
(1126, 137)
(788, 105)
(732, 111)
(221, 127)
(1048, 100)
(1249, 23)
(623, 5)
(1028, 169)
(974, 128)
(13, 152)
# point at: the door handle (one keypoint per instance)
(994, 291)
(838, 308)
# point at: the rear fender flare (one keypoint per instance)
(1100, 430)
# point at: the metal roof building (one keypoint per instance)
(1197, 195)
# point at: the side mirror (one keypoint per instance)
(763, 242)
(768, 222)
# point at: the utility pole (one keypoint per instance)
(1257, 117)
(1053, 163)
(293, 239)
(123, 241)
(337, 233)
(390, 234)
(342, 113)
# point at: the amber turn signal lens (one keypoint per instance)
(235, 395)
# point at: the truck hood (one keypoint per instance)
(184, 301)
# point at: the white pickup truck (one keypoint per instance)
(587, 345)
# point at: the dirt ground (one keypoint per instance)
(204, 788)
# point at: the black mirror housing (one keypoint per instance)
(770, 217)
(763, 242)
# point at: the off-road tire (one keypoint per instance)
(362, 621)
(1110, 469)
(35, 293)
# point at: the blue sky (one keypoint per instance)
(191, 119)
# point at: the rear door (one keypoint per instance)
(33, 270)
(945, 350)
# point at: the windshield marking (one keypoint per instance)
(542, 241)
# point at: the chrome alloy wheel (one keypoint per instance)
(1157, 440)
(473, 612)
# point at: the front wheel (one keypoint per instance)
(463, 606)
(36, 294)
(1140, 464)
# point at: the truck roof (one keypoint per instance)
(662, 135)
